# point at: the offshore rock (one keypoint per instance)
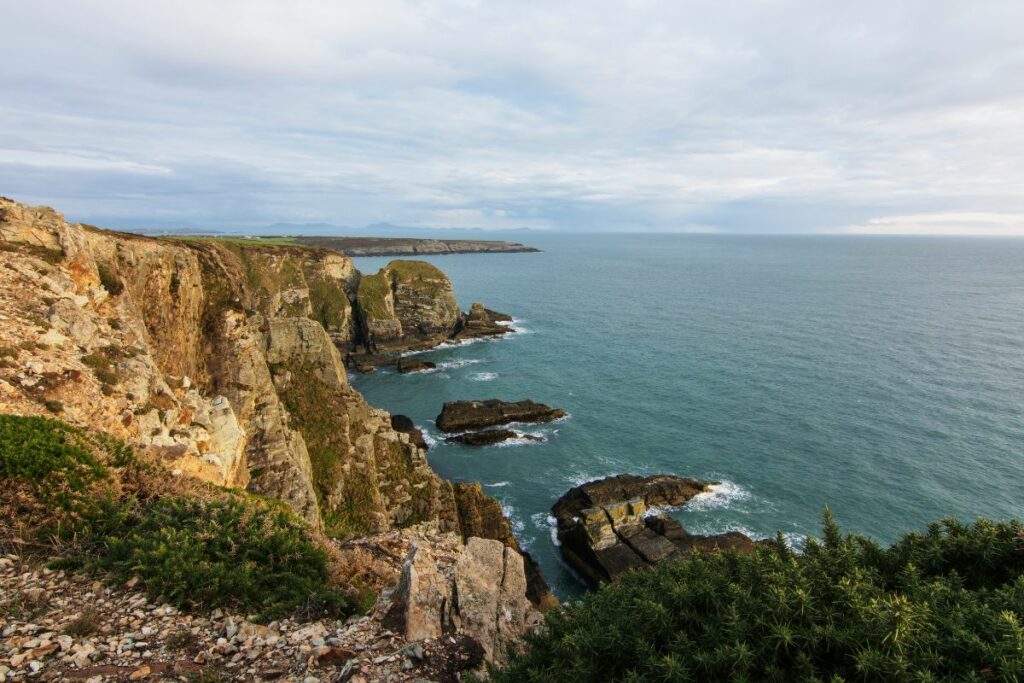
(482, 322)
(606, 527)
(489, 437)
(410, 365)
(460, 416)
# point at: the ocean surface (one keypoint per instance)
(883, 377)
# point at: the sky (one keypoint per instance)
(763, 116)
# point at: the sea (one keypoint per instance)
(882, 377)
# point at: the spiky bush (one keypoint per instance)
(943, 605)
(231, 551)
(109, 515)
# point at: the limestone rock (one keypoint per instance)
(404, 424)
(406, 305)
(478, 591)
(305, 341)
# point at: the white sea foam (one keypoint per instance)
(428, 439)
(483, 376)
(543, 521)
(498, 484)
(720, 496)
(453, 364)
(524, 439)
(518, 526)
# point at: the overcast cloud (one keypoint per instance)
(761, 116)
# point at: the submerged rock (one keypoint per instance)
(460, 416)
(490, 437)
(408, 365)
(606, 527)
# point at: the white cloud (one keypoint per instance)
(582, 114)
(948, 224)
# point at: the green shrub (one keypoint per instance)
(947, 604)
(211, 553)
(109, 279)
(102, 367)
(51, 455)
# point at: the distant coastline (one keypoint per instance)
(366, 246)
(412, 246)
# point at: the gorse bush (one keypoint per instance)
(944, 605)
(218, 549)
(225, 552)
(57, 460)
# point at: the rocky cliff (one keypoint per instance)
(226, 361)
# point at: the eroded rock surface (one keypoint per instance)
(611, 526)
(460, 416)
(406, 305)
(478, 590)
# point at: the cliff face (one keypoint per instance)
(223, 359)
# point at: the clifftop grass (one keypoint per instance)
(373, 294)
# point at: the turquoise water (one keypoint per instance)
(883, 377)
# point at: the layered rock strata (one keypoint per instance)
(611, 526)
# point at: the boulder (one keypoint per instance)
(606, 527)
(407, 365)
(480, 594)
(460, 416)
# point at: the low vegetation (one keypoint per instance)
(109, 278)
(947, 604)
(108, 513)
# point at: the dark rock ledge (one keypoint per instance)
(490, 437)
(461, 416)
(606, 529)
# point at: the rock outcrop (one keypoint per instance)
(477, 589)
(406, 305)
(460, 416)
(612, 526)
(482, 322)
